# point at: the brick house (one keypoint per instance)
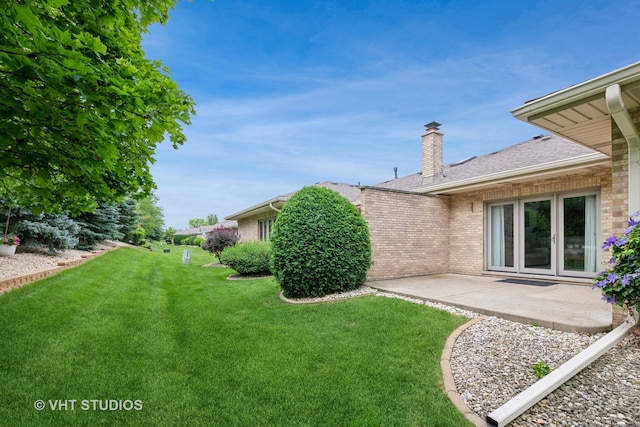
(540, 208)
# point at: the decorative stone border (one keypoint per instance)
(447, 374)
(14, 282)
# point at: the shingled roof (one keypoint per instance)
(543, 149)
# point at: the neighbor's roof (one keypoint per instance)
(542, 155)
(350, 192)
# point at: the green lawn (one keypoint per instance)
(193, 348)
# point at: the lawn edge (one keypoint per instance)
(447, 374)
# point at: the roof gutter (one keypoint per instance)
(587, 160)
(621, 116)
(576, 93)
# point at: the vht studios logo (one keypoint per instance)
(88, 405)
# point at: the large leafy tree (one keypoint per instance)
(151, 217)
(82, 109)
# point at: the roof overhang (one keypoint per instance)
(579, 164)
(274, 205)
(580, 112)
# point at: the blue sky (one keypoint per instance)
(290, 93)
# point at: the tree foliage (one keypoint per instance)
(82, 110)
(100, 225)
(197, 222)
(53, 231)
(219, 239)
(129, 218)
(151, 217)
(320, 244)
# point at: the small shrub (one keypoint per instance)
(192, 240)
(320, 244)
(541, 369)
(248, 257)
(198, 241)
(184, 241)
(219, 239)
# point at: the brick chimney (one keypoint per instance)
(431, 151)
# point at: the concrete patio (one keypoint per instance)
(556, 305)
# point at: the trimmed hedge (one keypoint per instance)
(248, 257)
(320, 245)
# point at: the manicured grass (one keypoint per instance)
(197, 349)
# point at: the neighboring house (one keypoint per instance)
(202, 231)
(540, 208)
(256, 222)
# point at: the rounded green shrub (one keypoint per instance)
(248, 257)
(198, 241)
(320, 244)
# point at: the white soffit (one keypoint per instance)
(579, 113)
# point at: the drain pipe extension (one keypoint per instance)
(529, 397)
(616, 107)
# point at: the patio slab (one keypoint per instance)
(560, 306)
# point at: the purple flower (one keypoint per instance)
(612, 240)
(612, 277)
(610, 299)
(626, 280)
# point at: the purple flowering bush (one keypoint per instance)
(620, 282)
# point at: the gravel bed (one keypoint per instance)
(31, 260)
(492, 361)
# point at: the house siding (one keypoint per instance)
(466, 227)
(248, 228)
(409, 233)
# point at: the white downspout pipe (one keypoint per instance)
(616, 107)
(273, 207)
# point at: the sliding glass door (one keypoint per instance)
(555, 235)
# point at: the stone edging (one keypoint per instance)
(14, 282)
(447, 375)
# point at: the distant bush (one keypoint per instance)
(198, 241)
(248, 257)
(320, 244)
(184, 241)
(219, 239)
(178, 238)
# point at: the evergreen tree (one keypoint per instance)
(102, 224)
(129, 218)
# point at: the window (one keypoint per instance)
(264, 228)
